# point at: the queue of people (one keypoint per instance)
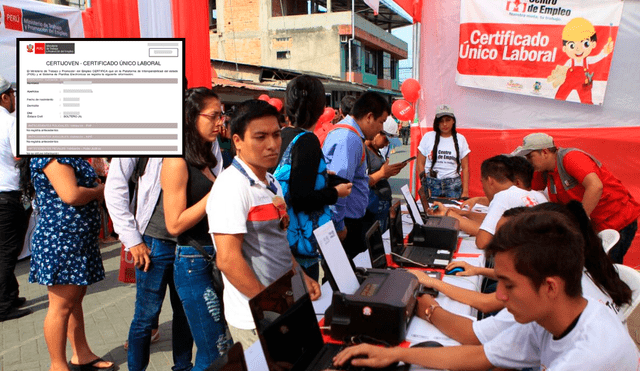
(216, 236)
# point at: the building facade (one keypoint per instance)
(312, 37)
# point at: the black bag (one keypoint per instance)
(218, 284)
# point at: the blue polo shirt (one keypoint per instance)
(343, 153)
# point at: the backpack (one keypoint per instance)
(138, 171)
(301, 225)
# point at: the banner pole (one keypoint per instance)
(414, 183)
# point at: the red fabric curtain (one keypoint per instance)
(87, 23)
(191, 21)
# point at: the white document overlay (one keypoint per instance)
(336, 258)
(96, 97)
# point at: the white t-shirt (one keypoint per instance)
(599, 341)
(237, 207)
(9, 175)
(446, 165)
(507, 199)
(488, 328)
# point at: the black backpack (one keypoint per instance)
(138, 172)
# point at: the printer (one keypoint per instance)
(381, 308)
(437, 232)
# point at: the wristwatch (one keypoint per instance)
(429, 311)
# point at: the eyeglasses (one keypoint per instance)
(216, 117)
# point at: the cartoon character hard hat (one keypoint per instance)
(578, 29)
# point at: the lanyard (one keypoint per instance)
(270, 186)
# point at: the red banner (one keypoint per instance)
(558, 49)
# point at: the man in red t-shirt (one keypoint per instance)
(571, 174)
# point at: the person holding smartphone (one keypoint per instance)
(379, 171)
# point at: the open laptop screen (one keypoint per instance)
(373, 241)
(287, 328)
(396, 233)
(411, 205)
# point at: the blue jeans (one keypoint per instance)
(194, 283)
(450, 187)
(627, 234)
(151, 287)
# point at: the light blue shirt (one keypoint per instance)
(343, 153)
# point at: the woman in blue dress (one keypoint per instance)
(65, 254)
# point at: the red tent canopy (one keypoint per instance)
(413, 7)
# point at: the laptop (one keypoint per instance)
(411, 256)
(232, 361)
(421, 218)
(374, 243)
(288, 329)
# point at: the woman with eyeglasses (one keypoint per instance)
(186, 184)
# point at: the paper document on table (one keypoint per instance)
(336, 258)
(254, 357)
(420, 330)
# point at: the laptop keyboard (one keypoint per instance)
(324, 361)
(418, 254)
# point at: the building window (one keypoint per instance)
(213, 16)
(356, 65)
(370, 61)
(386, 67)
(394, 69)
(286, 54)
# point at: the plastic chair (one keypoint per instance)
(610, 238)
(631, 277)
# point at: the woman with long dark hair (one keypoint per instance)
(302, 171)
(186, 183)
(65, 255)
(443, 155)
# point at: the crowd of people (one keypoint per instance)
(216, 227)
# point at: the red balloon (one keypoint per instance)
(328, 114)
(410, 90)
(277, 103)
(264, 97)
(402, 110)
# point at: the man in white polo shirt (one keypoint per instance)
(13, 217)
(498, 184)
(539, 283)
(248, 218)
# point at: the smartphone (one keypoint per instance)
(409, 159)
(333, 180)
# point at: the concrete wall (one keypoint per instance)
(239, 36)
(311, 49)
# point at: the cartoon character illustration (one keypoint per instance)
(537, 86)
(578, 42)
